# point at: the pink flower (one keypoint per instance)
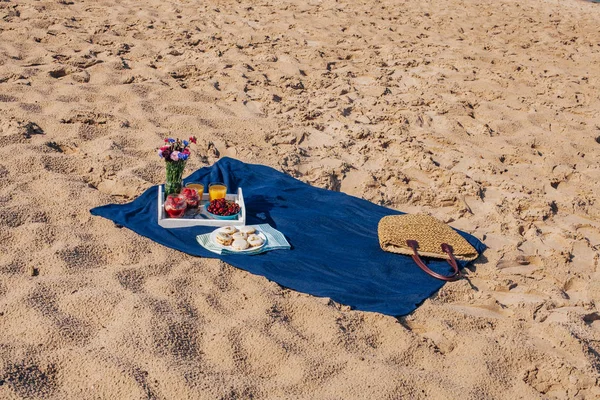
(175, 156)
(186, 151)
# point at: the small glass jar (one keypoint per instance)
(191, 197)
(175, 205)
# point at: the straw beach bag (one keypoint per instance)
(420, 234)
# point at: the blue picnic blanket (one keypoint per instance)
(335, 249)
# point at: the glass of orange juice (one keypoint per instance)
(217, 190)
(197, 186)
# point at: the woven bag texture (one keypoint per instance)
(429, 232)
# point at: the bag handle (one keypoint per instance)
(446, 248)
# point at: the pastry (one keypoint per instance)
(248, 230)
(255, 240)
(223, 238)
(230, 230)
(239, 244)
(239, 235)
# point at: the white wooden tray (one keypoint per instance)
(198, 216)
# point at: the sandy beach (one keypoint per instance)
(483, 114)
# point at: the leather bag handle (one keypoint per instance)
(446, 248)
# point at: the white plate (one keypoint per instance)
(258, 232)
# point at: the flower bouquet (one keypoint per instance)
(175, 152)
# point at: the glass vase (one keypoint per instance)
(174, 183)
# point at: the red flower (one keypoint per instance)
(193, 139)
(186, 151)
(166, 140)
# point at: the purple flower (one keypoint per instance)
(175, 155)
(185, 143)
(166, 154)
(171, 140)
(160, 153)
(183, 156)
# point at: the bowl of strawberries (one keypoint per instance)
(223, 209)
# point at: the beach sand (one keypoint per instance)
(484, 114)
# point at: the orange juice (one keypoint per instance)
(198, 187)
(217, 190)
